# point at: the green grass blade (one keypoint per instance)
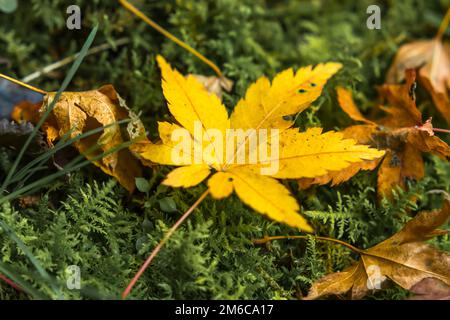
(19, 176)
(41, 182)
(24, 285)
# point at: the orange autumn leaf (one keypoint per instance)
(348, 105)
(401, 133)
(404, 258)
(26, 111)
(432, 58)
(405, 137)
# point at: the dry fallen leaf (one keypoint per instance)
(214, 84)
(305, 154)
(430, 289)
(26, 111)
(404, 258)
(401, 133)
(405, 136)
(30, 201)
(432, 58)
(79, 112)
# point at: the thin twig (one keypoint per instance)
(70, 59)
(167, 236)
(170, 36)
(443, 25)
(345, 244)
(441, 130)
(20, 83)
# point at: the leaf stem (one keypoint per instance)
(441, 130)
(345, 244)
(170, 36)
(167, 236)
(443, 25)
(23, 84)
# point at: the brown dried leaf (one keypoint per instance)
(398, 167)
(401, 133)
(402, 110)
(80, 112)
(215, 85)
(29, 201)
(404, 258)
(424, 142)
(430, 289)
(432, 58)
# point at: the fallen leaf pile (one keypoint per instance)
(401, 133)
(302, 154)
(404, 259)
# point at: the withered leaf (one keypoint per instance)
(405, 136)
(404, 259)
(79, 112)
(214, 84)
(401, 133)
(430, 289)
(432, 58)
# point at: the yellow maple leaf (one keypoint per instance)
(262, 112)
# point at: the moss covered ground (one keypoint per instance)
(87, 219)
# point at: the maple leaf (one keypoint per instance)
(401, 133)
(301, 154)
(79, 112)
(404, 258)
(432, 58)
